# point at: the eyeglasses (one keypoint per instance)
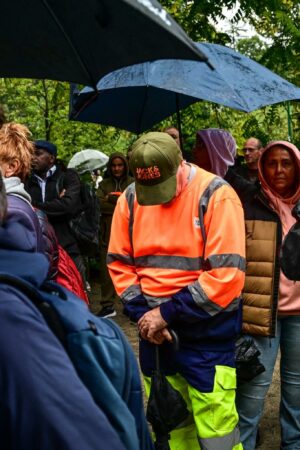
(250, 150)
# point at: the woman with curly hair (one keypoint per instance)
(31, 231)
(16, 152)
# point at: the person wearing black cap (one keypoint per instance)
(57, 193)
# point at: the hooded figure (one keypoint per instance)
(108, 192)
(281, 202)
(214, 150)
(271, 302)
(114, 183)
(16, 151)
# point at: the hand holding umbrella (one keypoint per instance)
(153, 327)
(166, 407)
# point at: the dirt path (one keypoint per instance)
(269, 425)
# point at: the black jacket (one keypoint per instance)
(59, 210)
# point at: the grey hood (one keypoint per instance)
(14, 186)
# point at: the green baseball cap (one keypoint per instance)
(154, 162)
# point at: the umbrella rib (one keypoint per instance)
(86, 103)
(245, 106)
(242, 101)
(179, 120)
(81, 62)
(146, 75)
(143, 109)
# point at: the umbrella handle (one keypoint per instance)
(175, 343)
(157, 361)
(175, 338)
(179, 122)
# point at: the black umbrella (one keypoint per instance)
(80, 41)
(166, 407)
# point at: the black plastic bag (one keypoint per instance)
(290, 249)
(247, 361)
(166, 407)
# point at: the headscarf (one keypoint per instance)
(281, 205)
(221, 148)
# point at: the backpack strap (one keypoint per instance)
(36, 297)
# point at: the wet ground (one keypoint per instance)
(270, 438)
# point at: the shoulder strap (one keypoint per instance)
(130, 195)
(214, 185)
(36, 297)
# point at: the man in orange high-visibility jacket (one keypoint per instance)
(177, 260)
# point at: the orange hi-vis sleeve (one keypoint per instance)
(158, 250)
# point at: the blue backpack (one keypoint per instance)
(101, 355)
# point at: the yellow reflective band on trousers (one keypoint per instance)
(213, 421)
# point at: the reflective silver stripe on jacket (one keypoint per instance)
(129, 195)
(215, 184)
(125, 259)
(169, 262)
(227, 442)
(153, 302)
(202, 300)
(181, 262)
(135, 290)
(225, 260)
(130, 293)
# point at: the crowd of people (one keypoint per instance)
(190, 248)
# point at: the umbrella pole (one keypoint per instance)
(179, 121)
(289, 121)
(73, 91)
(157, 362)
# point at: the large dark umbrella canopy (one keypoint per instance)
(136, 98)
(81, 41)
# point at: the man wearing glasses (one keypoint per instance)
(251, 150)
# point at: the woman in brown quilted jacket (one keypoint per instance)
(271, 302)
